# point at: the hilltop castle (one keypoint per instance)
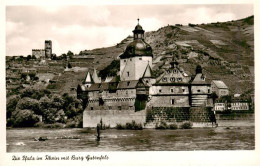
(135, 94)
(43, 53)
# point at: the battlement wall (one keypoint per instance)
(38, 49)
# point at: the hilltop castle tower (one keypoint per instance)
(136, 57)
(48, 48)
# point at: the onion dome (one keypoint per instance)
(138, 47)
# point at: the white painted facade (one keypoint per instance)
(133, 68)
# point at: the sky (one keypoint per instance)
(78, 28)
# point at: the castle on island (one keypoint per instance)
(137, 95)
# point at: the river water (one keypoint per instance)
(229, 135)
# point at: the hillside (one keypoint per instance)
(225, 50)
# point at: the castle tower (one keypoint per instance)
(137, 54)
(48, 48)
(95, 77)
(200, 89)
(88, 80)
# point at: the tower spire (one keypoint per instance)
(138, 31)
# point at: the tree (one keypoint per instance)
(45, 103)
(69, 66)
(29, 57)
(34, 93)
(226, 98)
(23, 118)
(30, 104)
(64, 56)
(32, 75)
(23, 76)
(57, 102)
(53, 57)
(49, 115)
(214, 96)
(70, 54)
(110, 70)
(11, 105)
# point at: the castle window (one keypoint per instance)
(208, 90)
(91, 108)
(128, 74)
(99, 85)
(110, 107)
(198, 90)
(119, 107)
(130, 107)
(172, 79)
(175, 71)
(172, 101)
(171, 90)
(147, 81)
(164, 79)
(160, 91)
(179, 79)
(128, 83)
(183, 90)
(124, 60)
(100, 101)
(203, 78)
(130, 59)
(140, 58)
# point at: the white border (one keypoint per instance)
(134, 158)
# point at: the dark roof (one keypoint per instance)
(199, 79)
(138, 28)
(137, 48)
(113, 85)
(127, 84)
(98, 86)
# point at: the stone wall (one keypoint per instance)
(167, 114)
(127, 104)
(38, 53)
(200, 116)
(112, 117)
(166, 101)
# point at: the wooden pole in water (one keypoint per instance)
(98, 132)
(101, 124)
